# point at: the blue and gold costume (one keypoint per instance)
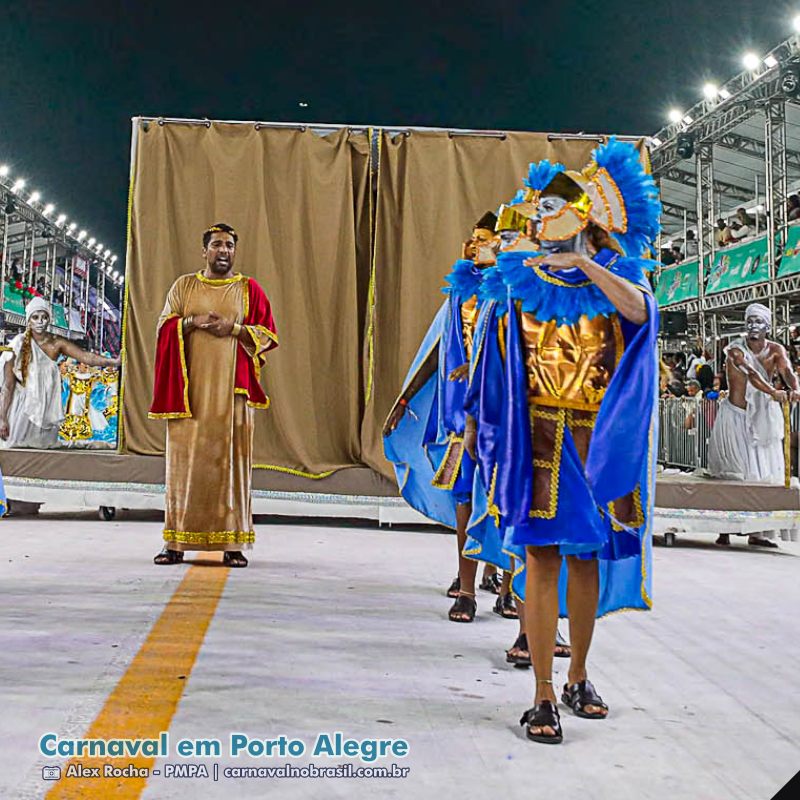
(564, 389)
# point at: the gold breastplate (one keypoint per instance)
(469, 318)
(570, 366)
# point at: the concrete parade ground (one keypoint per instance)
(342, 628)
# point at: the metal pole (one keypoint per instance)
(85, 312)
(757, 205)
(6, 223)
(99, 310)
(103, 311)
(68, 298)
(52, 273)
(704, 166)
(776, 189)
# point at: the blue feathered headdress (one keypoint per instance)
(639, 194)
(541, 174)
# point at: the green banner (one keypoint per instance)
(739, 265)
(677, 283)
(790, 263)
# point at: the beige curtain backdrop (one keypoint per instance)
(432, 187)
(297, 201)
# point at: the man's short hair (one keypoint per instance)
(219, 227)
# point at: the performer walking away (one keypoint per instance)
(569, 440)
(31, 407)
(426, 445)
(213, 334)
(747, 438)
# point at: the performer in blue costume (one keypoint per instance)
(424, 433)
(564, 390)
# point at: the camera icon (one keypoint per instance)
(51, 773)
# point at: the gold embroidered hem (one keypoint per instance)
(447, 474)
(209, 542)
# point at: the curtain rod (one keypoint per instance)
(395, 129)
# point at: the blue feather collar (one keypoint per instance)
(464, 279)
(563, 297)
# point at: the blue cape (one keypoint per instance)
(421, 440)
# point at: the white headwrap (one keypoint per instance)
(760, 311)
(37, 304)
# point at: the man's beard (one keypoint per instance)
(220, 267)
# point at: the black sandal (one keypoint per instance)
(543, 715)
(505, 608)
(455, 587)
(583, 694)
(235, 559)
(167, 556)
(562, 650)
(521, 643)
(463, 610)
(491, 583)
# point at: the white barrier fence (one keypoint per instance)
(685, 425)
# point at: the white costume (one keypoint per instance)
(747, 443)
(36, 409)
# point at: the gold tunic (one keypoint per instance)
(469, 319)
(569, 368)
(210, 455)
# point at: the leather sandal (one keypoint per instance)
(543, 715)
(491, 583)
(455, 588)
(504, 607)
(582, 694)
(562, 649)
(167, 556)
(235, 559)
(521, 643)
(463, 610)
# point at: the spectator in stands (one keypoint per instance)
(694, 389)
(793, 208)
(677, 389)
(705, 377)
(696, 360)
(667, 257)
(690, 245)
(794, 347)
(744, 225)
(720, 233)
(677, 254)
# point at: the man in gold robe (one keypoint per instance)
(213, 334)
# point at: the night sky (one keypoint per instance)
(74, 73)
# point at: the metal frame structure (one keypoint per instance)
(729, 158)
(28, 235)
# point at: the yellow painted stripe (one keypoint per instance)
(144, 701)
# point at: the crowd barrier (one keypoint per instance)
(685, 425)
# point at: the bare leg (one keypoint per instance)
(583, 590)
(467, 567)
(541, 619)
(505, 586)
(489, 570)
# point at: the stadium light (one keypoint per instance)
(116, 274)
(19, 184)
(675, 115)
(81, 236)
(113, 259)
(770, 62)
(106, 254)
(49, 209)
(3, 170)
(62, 218)
(91, 241)
(796, 23)
(35, 197)
(710, 91)
(751, 61)
(724, 94)
(687, 120)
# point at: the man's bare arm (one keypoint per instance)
(785, 369)
(737, 357)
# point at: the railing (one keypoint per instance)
(685, 425)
